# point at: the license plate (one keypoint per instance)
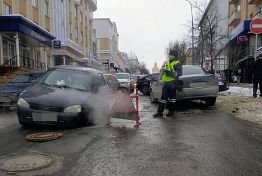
(44, 117)
(5, 100)
(198, 84)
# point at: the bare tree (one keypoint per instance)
(209, 39)
(180, 47)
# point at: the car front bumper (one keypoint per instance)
(25, 116)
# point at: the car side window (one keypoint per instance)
(101, 80)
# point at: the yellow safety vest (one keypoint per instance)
(170, 67)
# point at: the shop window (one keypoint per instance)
(7, 9)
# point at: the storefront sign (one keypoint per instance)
(242, 39)
(56, 44)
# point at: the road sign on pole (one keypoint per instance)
(256, 26)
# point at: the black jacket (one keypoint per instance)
(257, 70)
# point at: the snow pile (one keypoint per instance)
(233, 90)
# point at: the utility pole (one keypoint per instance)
(193, 50)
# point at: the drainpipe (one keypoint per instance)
(17, 49)
(1, 51)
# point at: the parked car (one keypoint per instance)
(195, 83)
(62, 97)
(112, 82)
(143, 83)
(125, 81)
(10, 91)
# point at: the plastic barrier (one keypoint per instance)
(124, 108)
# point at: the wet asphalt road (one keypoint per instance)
(198, 141)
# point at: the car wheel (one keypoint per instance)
(152, 98)
(24, 124)
(211, 101)
(145, 90)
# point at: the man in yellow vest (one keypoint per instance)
(170, 73)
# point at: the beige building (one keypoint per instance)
(73, 26)
(25, 38)
(189, 57)
(107, 43)
(242, 43)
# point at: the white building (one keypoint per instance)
(72, 25)
(107, 42)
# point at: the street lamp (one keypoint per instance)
(193, 55)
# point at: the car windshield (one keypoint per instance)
(22, 79)
(68, 79)
(122, 76)
(191, 70)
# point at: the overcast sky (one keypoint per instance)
(145, 27)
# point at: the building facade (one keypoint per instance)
(73, 26)
(212, 45)
(242, 43)
(107, 43)
(25, 33)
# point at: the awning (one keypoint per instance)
(242, 29)
(18, 23)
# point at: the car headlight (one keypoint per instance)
(73, 109)
(22, 103)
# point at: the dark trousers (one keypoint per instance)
(255, 87)
(168, 96)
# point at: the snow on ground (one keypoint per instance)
(242, 91)
(239, 102)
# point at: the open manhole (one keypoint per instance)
(44, 136)
(23, 163)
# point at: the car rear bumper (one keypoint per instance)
(201, 93)
(25, 115)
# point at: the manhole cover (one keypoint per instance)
(23, 163)
(45, 136)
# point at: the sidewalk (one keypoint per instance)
(239, 102)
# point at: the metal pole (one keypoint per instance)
(64, 60)
(45, 55)
(256, 46)
(17, 49)
(193, 55)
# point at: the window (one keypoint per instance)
(76, 11)
(81, 37)
(238, 8)
(46, 9)
(7, 9)
(35, 3)
(81, 18)
(70, 28)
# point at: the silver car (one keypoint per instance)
(195, 83)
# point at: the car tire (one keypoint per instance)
(145, 90)
(24, 124)
(152, 98)
(211, 101)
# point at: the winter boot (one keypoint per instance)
(170, 114)
(158, 115)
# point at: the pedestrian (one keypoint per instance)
(170, 72)
(238, 74)
(257, 74)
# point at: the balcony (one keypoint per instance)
(256, 2)
(233, 1)
(234, 18)
(93, 4)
